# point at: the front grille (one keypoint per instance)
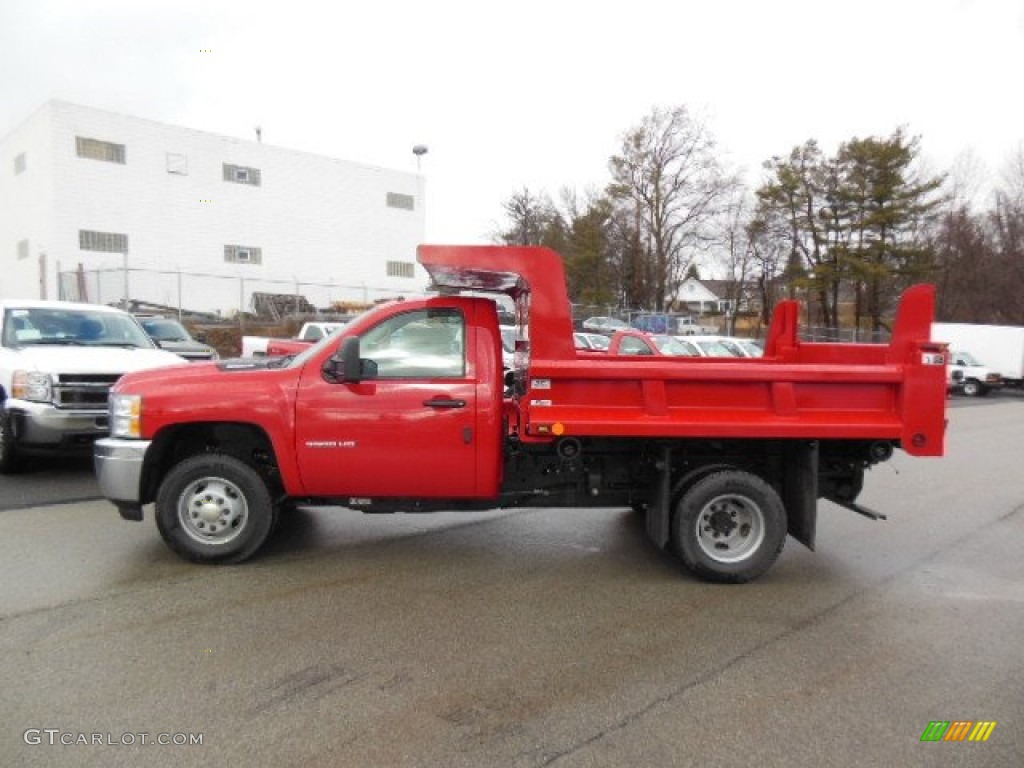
(83, 390)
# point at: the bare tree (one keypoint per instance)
(529, 218)
(739, 254)
(1012, 177)
(980, 255)
(669, 179)
(770, 251)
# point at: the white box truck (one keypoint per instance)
(999, 348)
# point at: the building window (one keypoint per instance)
(94, 149)
(401, 269)
(405, 202)
(19, 164)
(107, 242)
(177, 164)
(243, 254)
(240, 174)
(23, 249)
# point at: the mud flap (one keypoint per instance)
(800, 490)
(659, 513)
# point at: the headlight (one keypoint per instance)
(31, 385)
(126, 415)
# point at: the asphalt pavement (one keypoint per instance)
(529, 638)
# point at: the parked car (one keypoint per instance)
(742, 347)
(171, 335)
(593, 342)
(309, 334)
(673, 345)
(633, 342)
(711, 346)
(58, 361)
(607, 325)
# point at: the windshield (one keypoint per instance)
(38, 326)
(966, 358)
(163, 329)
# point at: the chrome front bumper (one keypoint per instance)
(119, 464)
(42, 425)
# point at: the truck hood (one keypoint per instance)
(204, 374)
(70, 359)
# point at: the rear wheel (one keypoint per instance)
(729, 527)
(214, 508)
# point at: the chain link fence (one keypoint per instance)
(654, 322)
(213, 296)
(844, 335)
(217, 299)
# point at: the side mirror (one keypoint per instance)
(346, 365)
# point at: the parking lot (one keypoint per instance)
(523, 638)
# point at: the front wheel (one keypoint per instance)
(974, 388)
(213, 508)
(10, 461)
(729, 527)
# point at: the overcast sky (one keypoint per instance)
(533, 93)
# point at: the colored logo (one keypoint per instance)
(958, 730)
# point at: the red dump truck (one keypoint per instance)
(407, 409)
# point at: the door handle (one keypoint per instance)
(444, 402)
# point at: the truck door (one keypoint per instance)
(410, 431)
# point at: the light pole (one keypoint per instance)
(419, 150)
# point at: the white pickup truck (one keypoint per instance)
(970, 376)
(256, 346)
(57, 362)
(999, 347)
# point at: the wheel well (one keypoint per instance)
(245, 442)
(789, 467)
(695, 475)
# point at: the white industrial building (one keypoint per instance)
(96, 206)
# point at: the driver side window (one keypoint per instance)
(427, 343)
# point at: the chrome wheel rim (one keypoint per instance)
(730, 528)
(212, 510)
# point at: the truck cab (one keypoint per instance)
(970, 376)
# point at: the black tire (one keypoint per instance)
(973, 388)
(213, 508)
(10, 461)
(729, 527)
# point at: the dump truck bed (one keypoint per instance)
(798, 390)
